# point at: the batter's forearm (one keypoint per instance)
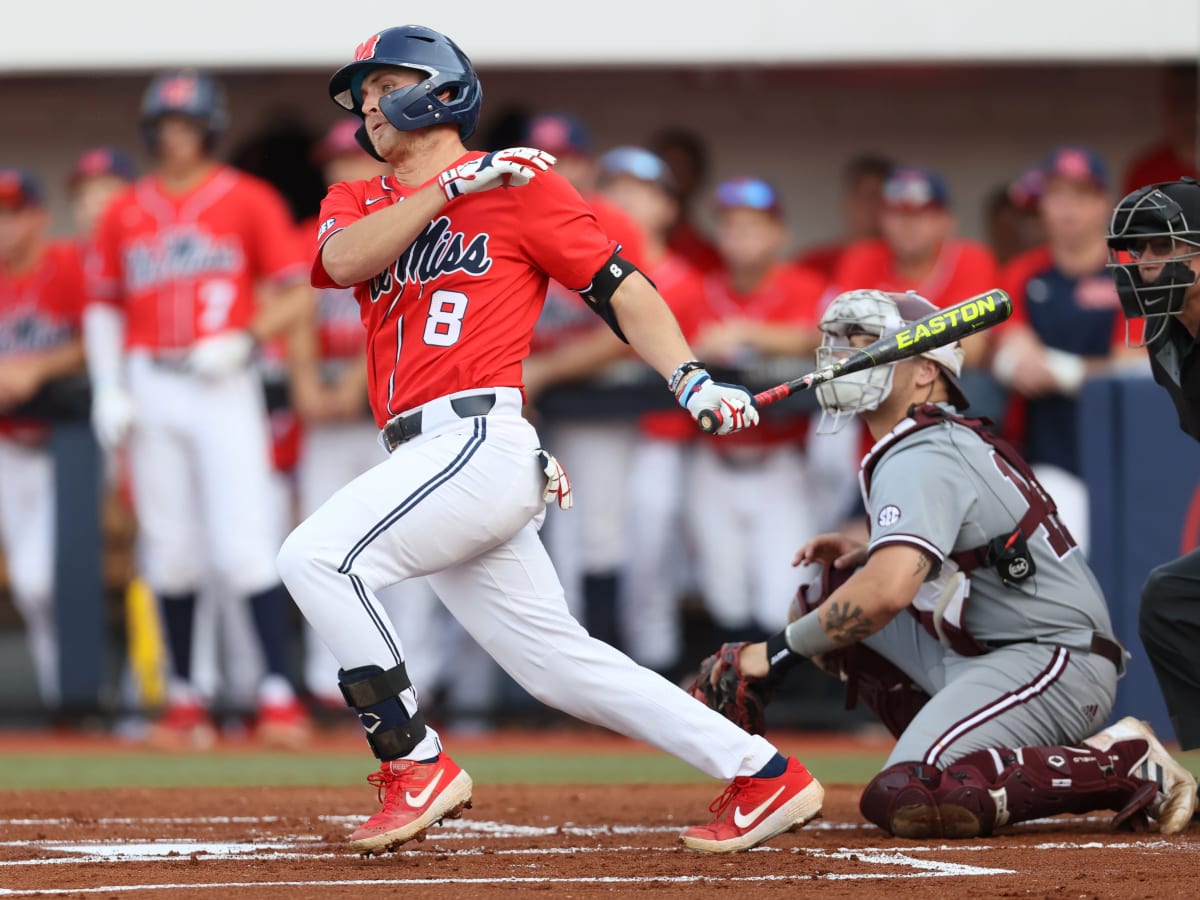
(650, 326)
(364, 249)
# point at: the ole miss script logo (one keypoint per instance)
(436, 251)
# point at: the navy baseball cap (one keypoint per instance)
(102, 161)
(1076, 162)
(915, 187)
(637, 163)
(559, 133)
(19, 189)
(748, 193)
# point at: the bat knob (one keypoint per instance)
(709, 420)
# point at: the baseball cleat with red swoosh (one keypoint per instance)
(754, 810)
(415, 796)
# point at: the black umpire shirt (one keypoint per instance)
(1175, 362)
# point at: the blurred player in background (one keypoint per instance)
(919, 251)
(41, 291)
(569, 346)
(1175, 155)
(687, 157)
(758, 306)
(99, 174)
(193, 266)
(862, 207)
(659, 565)
(1065, 326)
(969, 623)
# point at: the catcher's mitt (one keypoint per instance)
(739, 698)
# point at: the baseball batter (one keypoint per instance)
(170, 334)
(449, 258)
(41, 284)
(1005, 662)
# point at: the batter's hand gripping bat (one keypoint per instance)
(934, 330)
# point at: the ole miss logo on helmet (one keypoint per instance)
(366, 49)
(179, 92)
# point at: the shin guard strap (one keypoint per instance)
(367, 685)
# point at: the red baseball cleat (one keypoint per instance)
(414, 796)
(184, 725)
(754, 810)
(286, 726)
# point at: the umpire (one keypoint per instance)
(1154, 250)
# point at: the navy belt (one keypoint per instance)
(405, 428)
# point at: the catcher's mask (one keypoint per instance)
(875, 314)
(1154, 226)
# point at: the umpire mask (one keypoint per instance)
(1155, 226)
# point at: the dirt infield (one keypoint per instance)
(577, 842)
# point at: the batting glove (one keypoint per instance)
(221, 355)
(558, 486)
(734, 403)
(112, 415)
(511, 168)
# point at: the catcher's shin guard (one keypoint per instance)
(990, 788)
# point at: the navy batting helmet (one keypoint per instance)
(446, 67)
(184, 93)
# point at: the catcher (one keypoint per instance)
(970, 624)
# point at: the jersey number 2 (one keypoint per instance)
(444, 324)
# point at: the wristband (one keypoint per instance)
(680, 371)
(695, 380)
(1068, 369)
(806, 636)
(780, 657)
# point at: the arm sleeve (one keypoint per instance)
(918, 497)
(560, 234)
(340, 209)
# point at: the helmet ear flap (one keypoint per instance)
(364, 141)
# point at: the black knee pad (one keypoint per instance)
(374, 693)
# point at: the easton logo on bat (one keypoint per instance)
(951, 318)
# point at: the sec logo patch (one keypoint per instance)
(888, 516)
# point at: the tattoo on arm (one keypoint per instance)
(922, 565)
(846, 624)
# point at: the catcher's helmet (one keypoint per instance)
(1169, 213)
(875, 314)
(188, 93)
(445, 66)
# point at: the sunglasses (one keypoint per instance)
(1159, 247)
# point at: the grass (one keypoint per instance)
(232, 769)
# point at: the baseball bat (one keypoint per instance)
(934, 330)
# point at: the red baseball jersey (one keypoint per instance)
(822, 258)
(40, 310)
(683, 288)
(185, 266)
(563, 318)
(963, 269)
(787, 295)
(456, 310)
(687, 241)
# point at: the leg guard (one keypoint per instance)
(902, 800)
(1033, 782)
(881, 686)
(375, 695)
